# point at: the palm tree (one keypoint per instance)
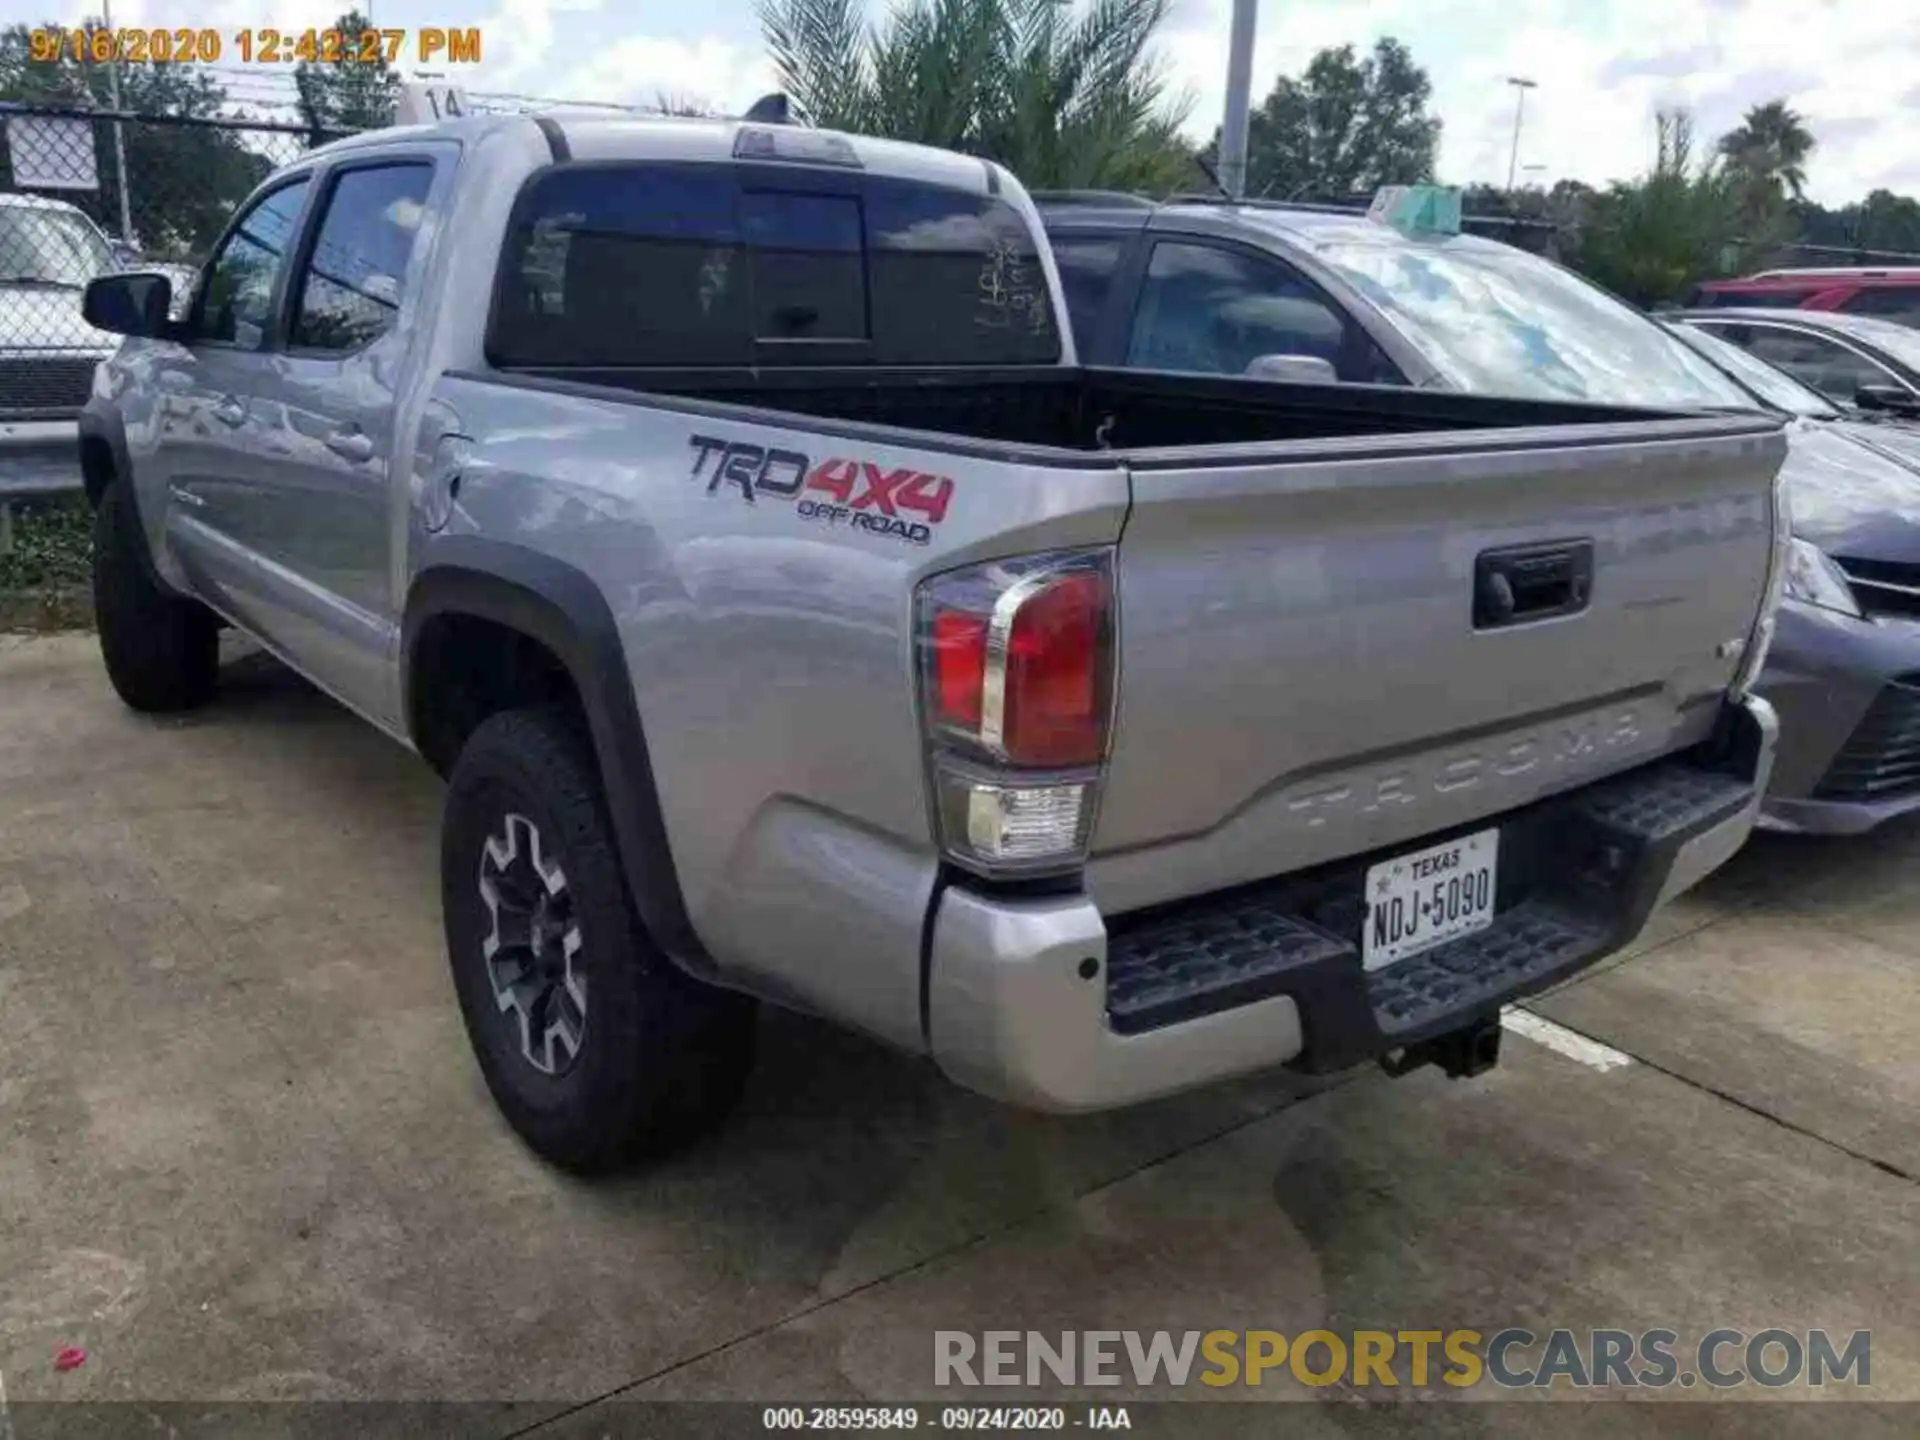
(1062, 100)
(1771, 147)
(1651, 238)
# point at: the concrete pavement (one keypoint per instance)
(248, 1156)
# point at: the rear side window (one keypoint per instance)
(694, 265)
(1087, 265)
(1831, 368)
(1754, 299)
(1209, 309)
(350, 292)
(1899, 303)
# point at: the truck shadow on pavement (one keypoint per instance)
(848, 1164)
(843, 1149)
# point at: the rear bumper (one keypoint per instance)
(1848, 696)
(1046, 1003)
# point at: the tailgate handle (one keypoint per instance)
(1531, 582)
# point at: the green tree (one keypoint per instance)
(1765, 160)
(1770, 147)
(1063, 99)
(183, 181)
(1345, 126)
(1883, 222)
(346, 95)
(1650, 239)
(1888, 222)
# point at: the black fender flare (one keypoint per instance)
(558, 606)
(100, 423)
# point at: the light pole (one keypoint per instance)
(1233, 125)
(119, 136)
(1520, 87)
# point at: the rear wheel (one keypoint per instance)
(596, 1047)
(162, 651)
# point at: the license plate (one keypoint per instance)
(1416, 901)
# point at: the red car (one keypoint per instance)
(1886, 292)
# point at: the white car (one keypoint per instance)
(49, 250)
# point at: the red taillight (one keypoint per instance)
(1019, 659)
(1055, 699)
(1017, 677)
(959, 667)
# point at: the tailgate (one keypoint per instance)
(1353, 644)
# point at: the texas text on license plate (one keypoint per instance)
(1416, 901)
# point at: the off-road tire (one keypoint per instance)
(162, 651)
(661, 1057)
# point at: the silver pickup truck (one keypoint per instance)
(720, 508)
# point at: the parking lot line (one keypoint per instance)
(1557, 1038)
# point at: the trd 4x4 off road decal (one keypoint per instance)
(855, 493)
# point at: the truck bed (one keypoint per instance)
(1083, 409)
(1305, 670)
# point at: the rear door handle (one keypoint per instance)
(1523, 583)
(348, 444)
(229, 411)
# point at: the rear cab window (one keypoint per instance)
(677, 264)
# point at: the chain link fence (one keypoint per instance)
(83, 192)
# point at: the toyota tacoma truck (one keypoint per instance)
(721, 509)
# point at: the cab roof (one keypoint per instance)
(595, 135)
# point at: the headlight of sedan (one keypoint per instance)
(1812, 577)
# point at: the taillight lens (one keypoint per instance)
(1056, 693)
(1017, 676)
(959, 667)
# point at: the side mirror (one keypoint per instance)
(132, 304)
(1295, 369)
(1894, 399)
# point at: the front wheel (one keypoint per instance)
(596, 1047)
(162, 651)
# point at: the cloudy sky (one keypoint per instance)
(1602, 66)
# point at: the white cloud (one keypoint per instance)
(518, 38)
(639, 69)
(1602, 71)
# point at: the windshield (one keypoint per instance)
(1772, 385)
(57, 246)
(1497, 320)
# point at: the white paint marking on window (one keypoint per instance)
(1562, 1041)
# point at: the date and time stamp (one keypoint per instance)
(983, 1419)
(257, 45)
